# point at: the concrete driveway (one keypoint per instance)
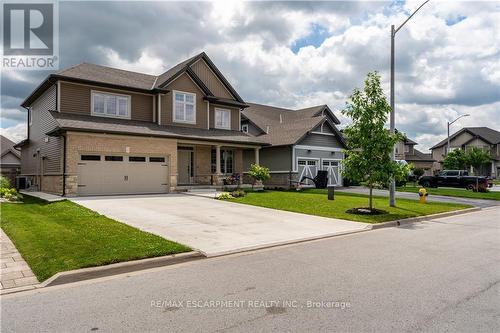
(216, 227)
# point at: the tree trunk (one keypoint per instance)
(371, 205)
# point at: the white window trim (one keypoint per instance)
(215, 118)
(30, 116)
(244, 126)
(173, 107)
(129, 105)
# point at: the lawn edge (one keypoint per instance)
(89, 273)
(397, 223)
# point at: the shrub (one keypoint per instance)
(259, 173)
(224, 196)
(4, 182)
(10, 194)
(238, 194)
(418, 172)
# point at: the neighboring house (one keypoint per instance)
(99, 130)
(405, 150)
(482, 137)
(10, 160)
(301, 142)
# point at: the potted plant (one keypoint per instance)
(259, 174)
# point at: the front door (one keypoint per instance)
(185, 166)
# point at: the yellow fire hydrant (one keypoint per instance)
(422, 193)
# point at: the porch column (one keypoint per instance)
(257, 155)
(217, 162)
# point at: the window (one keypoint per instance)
(110, 105)
(157, 159)
(137, 159)
(313, 163)
(184, 107)
(222, 118)
(90, 157)
(30, 116)
(244, 128)
(114, 158)
(226, 161)
(407, 148)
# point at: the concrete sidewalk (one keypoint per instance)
(216, 227)
(14, 271)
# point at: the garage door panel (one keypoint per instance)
(110, 175)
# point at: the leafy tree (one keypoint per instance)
(418, 172)
(476, 158)
(370, 143)
(455, 160)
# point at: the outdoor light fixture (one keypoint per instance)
(449, 123)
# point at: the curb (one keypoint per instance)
(109, 270)
(119, 268)
(410, 220)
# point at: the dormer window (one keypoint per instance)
(106, 104)
(184, 107)
(222, 118)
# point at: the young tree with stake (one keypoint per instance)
(370, 143)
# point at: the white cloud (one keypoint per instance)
(15, 133)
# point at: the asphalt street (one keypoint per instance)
(435, 276)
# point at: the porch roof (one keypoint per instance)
(87, 123)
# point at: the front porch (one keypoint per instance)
(211, 165)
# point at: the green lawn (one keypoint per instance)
(61, 236)
(453, 192)
(315, 202)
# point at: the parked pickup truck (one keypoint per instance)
(455, 178)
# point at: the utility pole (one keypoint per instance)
(392, 128)
(450, 123)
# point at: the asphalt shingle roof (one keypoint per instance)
(7, 145)
(489, 135)
(69, 121)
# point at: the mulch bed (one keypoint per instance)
(366, 211)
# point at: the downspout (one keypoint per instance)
(291, 167)
(64, 167)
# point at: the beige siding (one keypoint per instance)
(210, 79)
(185, 84)
(75, 98)
(49, 158)
(235, 116)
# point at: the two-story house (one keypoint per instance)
(405, 150)
(99, 130)
(300, 142)
(482, 137)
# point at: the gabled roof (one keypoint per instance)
(285, 126)
(118, 78)
(486, 134)
(87, 123)
(8, 146)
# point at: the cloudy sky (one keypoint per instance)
(297, 54)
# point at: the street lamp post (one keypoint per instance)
(392, 188)
(449, 123)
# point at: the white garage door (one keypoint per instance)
(121, 174)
